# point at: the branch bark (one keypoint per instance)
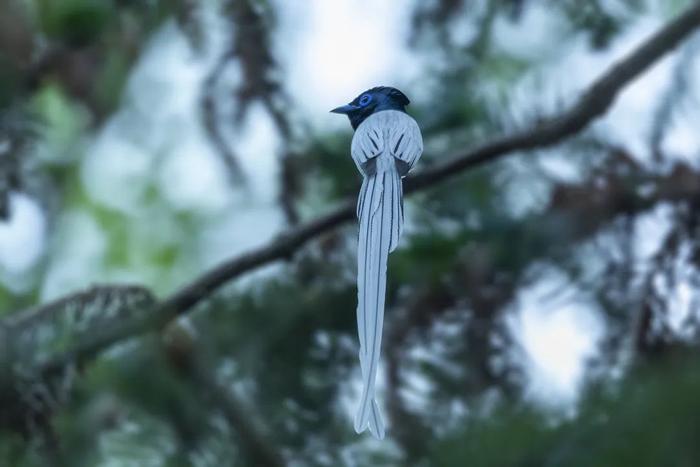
(593, 103)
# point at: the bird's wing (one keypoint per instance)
(367, 143)
(394, 131)
(404, 141)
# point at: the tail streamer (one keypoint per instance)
(380, 212)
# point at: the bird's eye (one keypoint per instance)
(364, 100)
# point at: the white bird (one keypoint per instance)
(386, 145)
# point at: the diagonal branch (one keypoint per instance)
(593, 103)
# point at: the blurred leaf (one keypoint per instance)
(76, 22)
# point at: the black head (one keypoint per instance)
(371, 101)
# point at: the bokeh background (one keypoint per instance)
(542, 309)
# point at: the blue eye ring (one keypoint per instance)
(365, 100)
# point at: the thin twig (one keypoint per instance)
(210, 117)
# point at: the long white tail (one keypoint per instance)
(380, 211)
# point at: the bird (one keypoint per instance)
(386, 145)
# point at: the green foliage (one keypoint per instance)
(326, 160)
(593, 18)
(75, 22)
(14, 452)
(650, 420)
(63, 122)
(9, 77)
(112, 78)
(297, 331)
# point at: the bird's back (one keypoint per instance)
(385, 138)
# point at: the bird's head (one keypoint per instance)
(371, 101)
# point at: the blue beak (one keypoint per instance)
(344, 109)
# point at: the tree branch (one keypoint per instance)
(593, 103)
(210, 120)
